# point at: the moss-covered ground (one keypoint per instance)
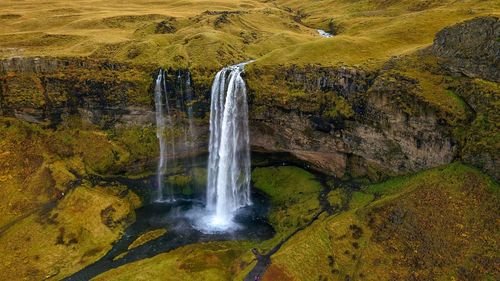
(294, 196)
(83, 147)
(78, 230)
(434, 225)
(56, 218)
(204, 261)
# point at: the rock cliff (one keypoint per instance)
(347, 121)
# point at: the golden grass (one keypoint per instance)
(55, 244)
(124, 30)
(146, 237)
(373, 31)
(369, 31)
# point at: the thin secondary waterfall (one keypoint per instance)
(160, 134)
(228, 183)
(169, 117)
(160, 92)
(189, 98)
(185, 102)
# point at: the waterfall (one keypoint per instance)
(189, 132)
(189, 98)
(185, 99)
(171, 123)
(325, 34)
(160, 93)
(228, 183)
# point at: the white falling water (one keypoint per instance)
(160, 96)
(325, 34)
(185, 96)
(171, 123)
(160, 134)
(228, 185)
(189, 98)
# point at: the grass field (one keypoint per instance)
(214, 33)
(435, 225)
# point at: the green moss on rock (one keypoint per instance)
(205, 261)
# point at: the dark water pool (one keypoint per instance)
(180, 222)
(177, 219)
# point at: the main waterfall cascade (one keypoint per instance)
(228, 182)
(228, 179)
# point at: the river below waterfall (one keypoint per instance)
(228, 210)
(178, 220)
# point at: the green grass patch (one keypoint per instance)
(294, 197)
(204, 261)
(442, 215)
(146, 237)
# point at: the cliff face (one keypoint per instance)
(366, 130)
(470, 53)
(416, 112)
(115, 98)
(47, 90)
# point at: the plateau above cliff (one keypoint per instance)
(201, 33)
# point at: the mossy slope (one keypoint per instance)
(53, 244)
(294, 196)
(204, 261)
(46, 179)
(433, 225)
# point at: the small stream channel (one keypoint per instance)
(178, 219)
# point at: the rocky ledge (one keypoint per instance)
(394, 120)
(345, 121)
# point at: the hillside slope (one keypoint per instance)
(213, 34)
